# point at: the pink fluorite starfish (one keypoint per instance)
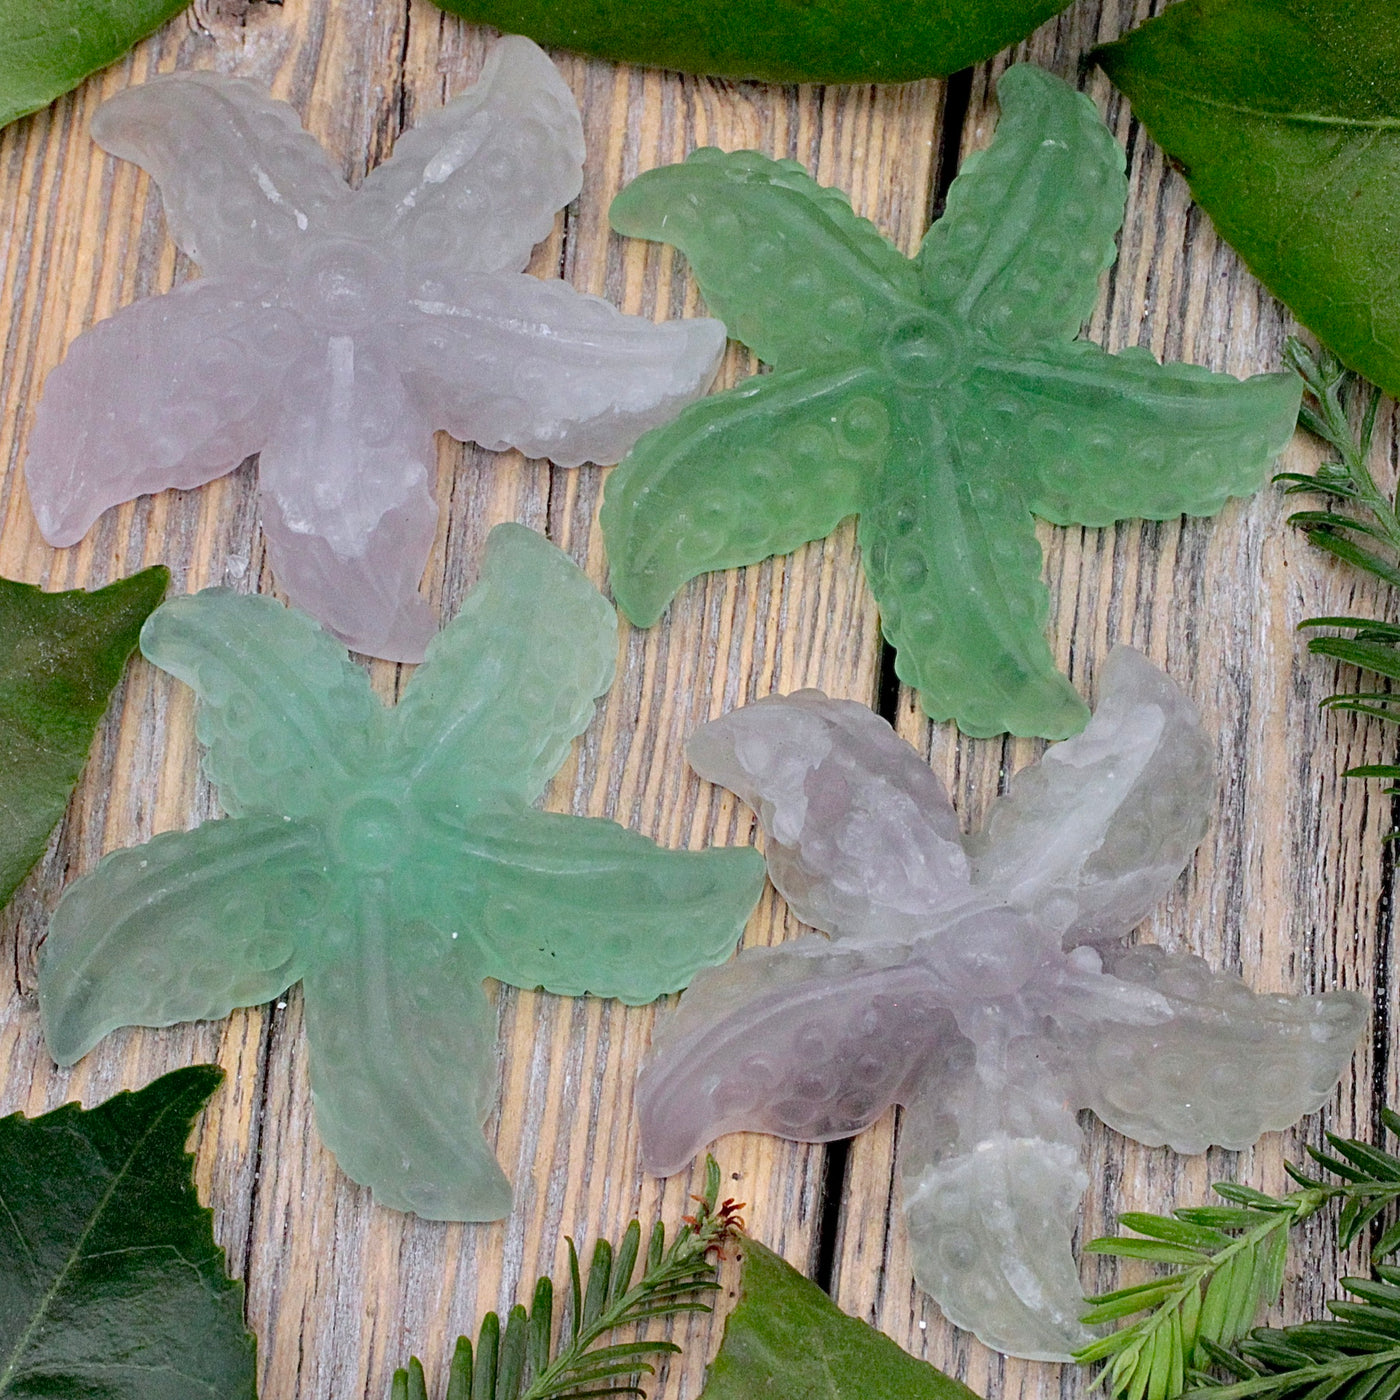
(333, 331)
(978, 982)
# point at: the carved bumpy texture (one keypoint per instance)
(333, 332)
(965, 979)
(1148, 1081)
(943, 399)
(391, 860)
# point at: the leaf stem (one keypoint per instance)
(1329, 1373)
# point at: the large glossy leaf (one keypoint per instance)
(1285, 115)
(61, 654)
(785, 41)
(50, 46)
(111, 1285)
(788, 1341)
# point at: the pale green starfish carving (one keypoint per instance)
(943, 398)
(390, 859)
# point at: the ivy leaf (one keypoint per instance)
(1285, 115)
(788, 1341)
(61, 656)
(48, 47)
(782, 41)
(111, 1285)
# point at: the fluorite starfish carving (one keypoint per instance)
(976, 981)
(334, 331)
(390, 860)
(942, 399)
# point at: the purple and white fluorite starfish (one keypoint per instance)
(333, 331)
(978, 982)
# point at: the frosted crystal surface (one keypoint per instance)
(334, 331)
(978, 982)
(943, 399)
(390, 860)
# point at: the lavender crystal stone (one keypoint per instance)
(977, 981)
(333, 331)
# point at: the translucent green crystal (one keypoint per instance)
(390, 859)
(944, 399)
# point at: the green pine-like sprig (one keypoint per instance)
(1356, 1356)
(1361, 527)
(524, 1360)
(1226, 1266)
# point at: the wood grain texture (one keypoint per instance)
(1292, 885)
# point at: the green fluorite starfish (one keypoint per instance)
(390, 859)
(942, 398)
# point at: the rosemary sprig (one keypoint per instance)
(524, 1361)
(1226, 1267)
(1362, 527)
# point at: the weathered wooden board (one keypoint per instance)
(1291, 886)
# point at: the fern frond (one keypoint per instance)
(521, 1360)
(1226, 1265)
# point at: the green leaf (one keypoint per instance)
(1351, 553)
(111, 1284)
(1221, 1217)
(1314, 519)
(1175, 1231)
(50, 46)
(1382, 658)
(1285, 115)
(1388, 1243)
(1248, 1196)
(787, 1340)
(1136, 1302)
(1157, 1253)
(1363, 624)
(784, 41)
(61, 655)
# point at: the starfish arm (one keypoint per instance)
(1098, 437)
(511, 684)
(289, 724)
(1093, 835)
(782, 260)
(580, 905)
(192, 370)
(477, 184)
(755, 471)
(240, 180)
(950, 553)
(517, 361)
(991, 1161)
(347, 507)
(1222, 1067)
(184, 928)
(1030, 221)
(809, 1040)
(402, 1049)
(862, 840)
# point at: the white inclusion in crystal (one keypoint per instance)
(334, 331)
(979, 982)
